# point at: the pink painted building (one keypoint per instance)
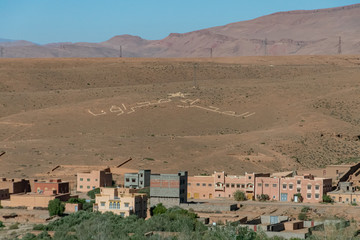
(221, 185)
(284, 189)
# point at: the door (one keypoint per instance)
(284, 197)
(189, 195)
(210, 195)
(76, 208)
(196, 195)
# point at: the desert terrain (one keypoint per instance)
(243, 114)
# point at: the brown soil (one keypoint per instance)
(293, 113)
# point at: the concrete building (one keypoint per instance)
(221, 185)
(15, 185)
(345, 193)
(87, 181)
(286, 189)
(55, 186)
(4, 194)
(168, 189)
(121, 201)
(137, 180)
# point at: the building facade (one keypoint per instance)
(287, 189)
(345, 193)
(87, 181)
(168, 189)
(121, 201)
(15, 185)
(33, 200)
(4, 194)
(221, 185)
(55, 186)
(137, 180)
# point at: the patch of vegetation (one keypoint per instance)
(302, 216)
(56, 207)
(239, 196)
(148, 159)
(14, 226)
(1, 224)
(263, 197)
(327, 199)
(93, 192)
(145, 190)
(305, 209)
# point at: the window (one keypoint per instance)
(88, 179)
(298, 190)
(249, 177)
(284, 186)
(189, 184)
(309, 187)
(141, 182)
(259, 185)
(127, 180)
(354, 200)
(88, 187)
(81, 179)
(198, 184)
(227, 185)
(232, 185)
(96, 179)
(290, 186)
(122, 214)
(102, 204)
(317, 196)
(238, 185)
(209, 184)
(266, 185)
(242, 185)
(118, 205)
(141, 175)
(204, 184)
(298, 182)
(126, 204)
(273, 197)
(274, 185)
(93, 187)
(308, 195)
(219, 176)
(317, 187)
(133, 180)
(110, 205)
(81, 186)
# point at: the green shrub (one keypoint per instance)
(39, 227)
(92, 193)
(158, 209)
(305, 209)
(239, 196)
(302, 216)
(1, 224)
(14, 226)
(327, 199)
(56, 207)
(263, 197)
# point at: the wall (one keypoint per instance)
(4, 194)
(32, 200)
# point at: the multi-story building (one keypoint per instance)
(15, 185)
(55, 186)
(121, 201)
(137, 180)
(87, 181)
(287, 189)
(221, 185)
(168, 189)
(4, 194)
(345, 193)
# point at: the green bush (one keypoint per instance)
(239, 196)
(158, 209)
(14, 226)
(92, 193)
(263, 197)
(302, 216)
(1, 224)
(56, 207)
(305, 209)
(327, 199)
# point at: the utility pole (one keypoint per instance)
(339, 46)
(194, 75)
(211, 50)
(1, 51)
(265, 47)
(120, 54)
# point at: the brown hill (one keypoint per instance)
(249, 113)
(314, 32)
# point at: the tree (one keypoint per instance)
(92, 193)
(327, 199)
(239, 196)
(159, 209)
(56, 207)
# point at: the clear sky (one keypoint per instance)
(44, 21)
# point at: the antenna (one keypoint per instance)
(120, 54)
(339, 46)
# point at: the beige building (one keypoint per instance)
(15, 185)
(121, 201)
(87, 181)
(345, 193)
(32, 200)
(4, 194)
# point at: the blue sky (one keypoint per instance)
(44, 21)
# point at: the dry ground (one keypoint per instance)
(293, 113)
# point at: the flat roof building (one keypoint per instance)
(53, 186)
(137, 180)
(87, 181)
(15, 185)
(168, 189)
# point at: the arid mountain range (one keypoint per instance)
(313, 32)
